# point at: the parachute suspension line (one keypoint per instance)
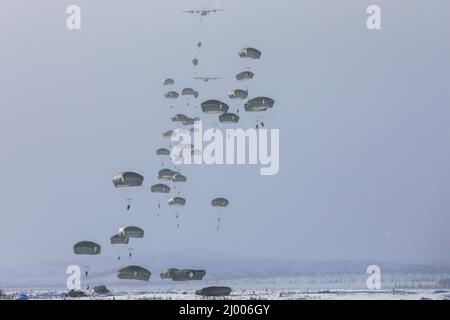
(178, 221)
(218, 223)
(130, 252)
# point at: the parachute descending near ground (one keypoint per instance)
(87, 247)
(163, 152)
(179, 178)
(214, 107)
(169, 82)
(166, 174)
(259, 104)
(245, 75)
(250, 53)
(177, 201)
(179, 117)
(119, 239)
(182, 274)
(171, 95)
(189, 92)
(131, 232)
(134, 273)
(127, 179)
(229, 118)
(219, 203)
(168, 134)
(160, 188)
(238, 94)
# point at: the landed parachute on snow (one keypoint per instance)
(87, 247)
(214, 107)
(214, 291)
(160, 188)
(189, 92)
(177, 201)
(163, 152)
(182, 274)
(101, 289)
(245, 75)
(171, 95)
(238, 94)
(131, 232)
(119, 239)
(134, 273)
(229, 118)
(169, 82)
(259, 104)
(128, 179)
(250, 53)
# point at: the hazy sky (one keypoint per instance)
(364, 121)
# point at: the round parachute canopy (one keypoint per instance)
(195, 61)
(118, 239)
(179, 117)
(169, 82)
(168, 134)
(189, 92)
(177, 201)
(214, 291)
(134, 273)
(259, 104)
(171, 95)
(220, 202)
(214, 107)
(183, 274)
(101, 289)
(87, 247)
(179, 178)
(131, 232)
(250, 53)
(245, 75)
(166, 174)
(238, 94)
(190, 121)
(163, 152)
(160, 188)
(229, 118)
(127, 179)
(168, 273)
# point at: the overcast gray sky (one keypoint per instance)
(364, 120)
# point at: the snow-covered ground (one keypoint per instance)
(240, 294)
(249, 279)
(331, 287)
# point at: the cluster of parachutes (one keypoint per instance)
(166, 176)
